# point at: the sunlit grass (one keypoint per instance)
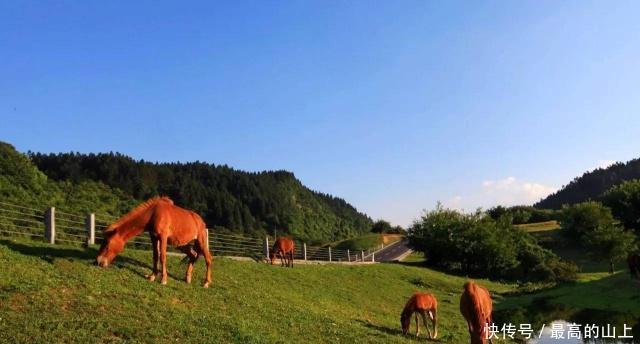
(54, 294)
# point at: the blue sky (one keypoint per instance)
(392, 105)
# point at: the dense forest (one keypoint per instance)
(231, 200)
(592, 185)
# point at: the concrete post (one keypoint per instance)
(304, 249)
(329, 253)
(90, 225)
(50, 225)
(348, 255)
(265, 247)
(362, 256)
(373, 257)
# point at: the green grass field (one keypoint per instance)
(366, 242)
(539, 226)
(54, 294)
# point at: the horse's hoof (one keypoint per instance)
(151, 277)
(164, 282)
(188, 280)
(206, 285)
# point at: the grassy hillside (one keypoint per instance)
(22, 183)
(539, 226)
(367, 241)
(54, 294)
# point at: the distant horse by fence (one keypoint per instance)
(634, 264)
(423, 304)
(476, 307)
(284, 248)
(166, 224)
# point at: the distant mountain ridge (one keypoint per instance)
(254, 203)
(592, 184)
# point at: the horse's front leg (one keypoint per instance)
(426, 325)
(154, 243)
(417, 326)
(283, 257)
(163, 258)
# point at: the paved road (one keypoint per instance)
(393, 251)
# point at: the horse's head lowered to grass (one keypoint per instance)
(112, 245)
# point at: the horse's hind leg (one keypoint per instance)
(155, 245)
(193, 256)
(202, 246)
(163, 259)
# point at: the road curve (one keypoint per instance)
(393, 251)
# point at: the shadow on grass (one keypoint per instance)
(397, 331)
(88, 255)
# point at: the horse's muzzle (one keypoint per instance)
(102, 262)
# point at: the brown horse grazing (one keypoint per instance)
(634, 264)
(423, 304)
(166, 224)
(476, 307)
(284, 248)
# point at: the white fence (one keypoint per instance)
(57, 226)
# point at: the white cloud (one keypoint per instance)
(605, 163)
(511, 191)
(507, 191)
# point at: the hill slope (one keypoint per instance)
(592, 184)
(22, 183)
(254, 203)
(54, 294)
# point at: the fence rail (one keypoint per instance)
(53, 226)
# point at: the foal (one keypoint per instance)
(423, 304)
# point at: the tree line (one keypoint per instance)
(250, 203)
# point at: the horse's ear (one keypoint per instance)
(110, 229)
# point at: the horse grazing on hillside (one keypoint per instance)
(166, 224)
(476, 307)
(423, 304)
(634, 264)
(284, 248)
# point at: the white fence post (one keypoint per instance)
(362, 256)
(90, 225)
(265, 248)
(373, 257)
(329, 253)
(348, 255)
(50, 225)
(304, 249)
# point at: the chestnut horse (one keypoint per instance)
(166, 224)
(423, 304)
(634, 264)
(476, 307)
(283, 247)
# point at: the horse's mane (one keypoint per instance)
(472, 289)
(137, 210)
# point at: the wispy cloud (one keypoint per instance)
(605, 163)
(507, 191)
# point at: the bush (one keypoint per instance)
(579, 219)
(624, 201)
(480, 246)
